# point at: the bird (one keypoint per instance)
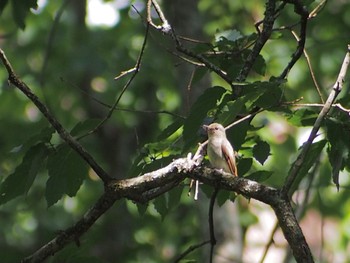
(220, 151)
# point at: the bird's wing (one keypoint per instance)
(230, 158)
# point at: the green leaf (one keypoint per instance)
(230, 111)
(259, 65)
(3, 3)
(259, 176)
(20, 9)
(22, 179)
(228, 35)
(303, 117)
(256, 93)
(222, 197)
(44, 136)
(161, 205)
(271, 97)
(198, 112)
(310, 159)
(199, 74)
(237, 134)
(141, 208)
(339, 148)
(174, 196)
(84, 127)
(244, 166)
(67, 171)
(261, 151)
(171, 129)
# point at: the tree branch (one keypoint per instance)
(14, 80)
(337, 87)
(268, 22)
(304, 14)
(138, 189)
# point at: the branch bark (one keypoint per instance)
(142, 189)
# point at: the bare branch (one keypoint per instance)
(189, 250)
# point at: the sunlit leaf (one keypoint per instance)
(171, 129)
(230, 35)
(303, 117)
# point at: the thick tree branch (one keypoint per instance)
(140, 189)
(337, 87)
(14, 80)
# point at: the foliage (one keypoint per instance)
(71, 65)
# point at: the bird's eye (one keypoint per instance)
(216, 128)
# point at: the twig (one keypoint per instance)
(211, 223)
(337, 87)
(90, 96)
(336, 105)
(134, 72)
(304, 14)
(50, 41)
(268, 245)
(310, 68)
(269, 19)
(74, 144)
(166, 28)
(189, 250)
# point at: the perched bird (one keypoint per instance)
(219, 149)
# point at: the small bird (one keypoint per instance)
(219, 149)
